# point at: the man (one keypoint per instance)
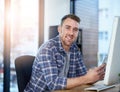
(59, 64)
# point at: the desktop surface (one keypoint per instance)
(81, 89)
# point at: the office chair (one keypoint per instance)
(23, 66)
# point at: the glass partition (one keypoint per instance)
(1, 42)
(24, 32)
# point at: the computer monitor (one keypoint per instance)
(113, 60)
(53, 31)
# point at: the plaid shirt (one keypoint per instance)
(48, 63)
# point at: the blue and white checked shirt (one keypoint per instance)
(48, 63)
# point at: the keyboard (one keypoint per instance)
(99, 87)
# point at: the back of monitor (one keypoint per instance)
(113, 63)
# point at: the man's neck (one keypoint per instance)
(66, 48)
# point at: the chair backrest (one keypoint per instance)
(23, 66)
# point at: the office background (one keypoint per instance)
(24, 26)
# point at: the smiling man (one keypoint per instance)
(59, 64)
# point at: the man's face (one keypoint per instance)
(68, 32)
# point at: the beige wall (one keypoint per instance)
(53, 15)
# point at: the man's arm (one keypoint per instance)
(92, 76)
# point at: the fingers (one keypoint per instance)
(96, 73)
(99, 71)
(101, 74)
(102, 67)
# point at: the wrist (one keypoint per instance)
(84, 79)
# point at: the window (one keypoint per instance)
(106, 35)
(100, 35)
(24, 32)
(1, 43)
(103, 35)
(23, 26)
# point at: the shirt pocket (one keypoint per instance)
(59, 62)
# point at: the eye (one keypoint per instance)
(75, 29)
(67, 27)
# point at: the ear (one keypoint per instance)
(59, 29)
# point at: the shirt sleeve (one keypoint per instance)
(50, 71)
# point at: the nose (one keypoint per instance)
(71, 31)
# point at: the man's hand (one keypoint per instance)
(96, 74)
(92, 76)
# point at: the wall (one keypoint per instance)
(53, 15)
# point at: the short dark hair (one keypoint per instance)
(71, 16)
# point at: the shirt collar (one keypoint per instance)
(72, 48)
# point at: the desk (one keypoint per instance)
(81, 89)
